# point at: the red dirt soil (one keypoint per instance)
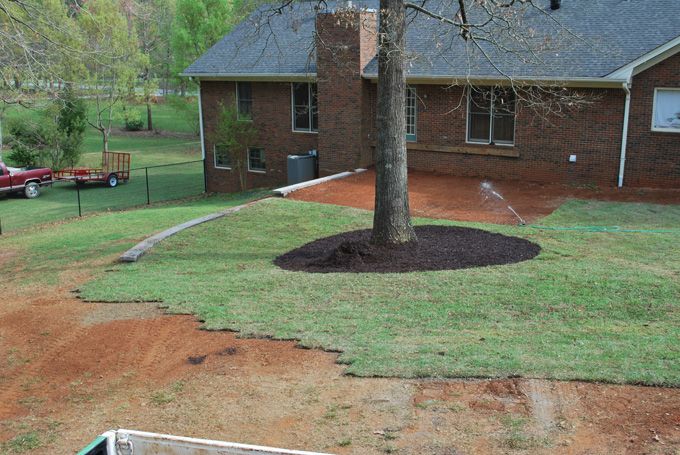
(71, 370)
(461, 198)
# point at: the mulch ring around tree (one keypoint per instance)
(437, 248)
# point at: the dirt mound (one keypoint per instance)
(437, 248)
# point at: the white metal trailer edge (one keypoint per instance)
(130, 442)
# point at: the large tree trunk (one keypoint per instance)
(391, 221)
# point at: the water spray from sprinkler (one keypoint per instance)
(487, 188)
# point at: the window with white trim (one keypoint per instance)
(491, 116)
(411, 114)
(244, 100)
(256, 160)
(666, 110)
(222, 156)
(305, 107)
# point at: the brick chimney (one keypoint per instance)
(345, 44)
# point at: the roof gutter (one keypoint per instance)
(624, 138)
(263, 77)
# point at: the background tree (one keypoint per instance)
(152, 20)
(187, 109)
(38, 45)
(115, 64)
(3, 110)
(162, 56)
(71, 120)
(234, 136)
(56, 139)
(198, 25)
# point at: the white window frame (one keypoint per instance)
(238, 111)
(292, 108)
(215, 160)
(490, 141)
(654, 128)
(412, 95)
(256, 171)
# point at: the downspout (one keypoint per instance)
(200, 120)
(624, 139)
(200, 125)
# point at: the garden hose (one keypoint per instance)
(608, 229)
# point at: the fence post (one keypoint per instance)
(80, 210)
(148, 196)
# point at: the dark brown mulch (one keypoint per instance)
(437, 248)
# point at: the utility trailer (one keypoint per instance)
(115, 169)
(129, 442)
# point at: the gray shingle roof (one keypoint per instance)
(267, 43)
(583, 39)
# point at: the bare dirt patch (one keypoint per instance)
(68, 372)
(538, 416)
(460, 198)
(6, 256)
(437, 248)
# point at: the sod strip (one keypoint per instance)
(134, 253)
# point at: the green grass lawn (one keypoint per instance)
(165, 118)
(166, 183)
(43, 253)
(592, 306)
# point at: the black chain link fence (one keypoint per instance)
(64, 199)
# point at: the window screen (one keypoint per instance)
(244, 97)
(256, 161)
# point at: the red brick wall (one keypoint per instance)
(347, 126)
(271, 117)
(652, 158)
(543, 147)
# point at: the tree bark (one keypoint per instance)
(149, 119)
(391, 220)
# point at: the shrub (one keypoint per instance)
(27, 139)
(55, 139)
(71, 122)
(22, 156)
(133, 120)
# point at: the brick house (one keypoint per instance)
(306, 79)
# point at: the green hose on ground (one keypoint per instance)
(613, 229)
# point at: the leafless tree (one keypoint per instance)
(497, 36)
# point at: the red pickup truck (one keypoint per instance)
(24, 180)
